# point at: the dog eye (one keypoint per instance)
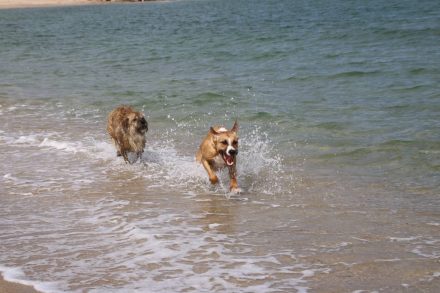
(235, 142)
(225, 142)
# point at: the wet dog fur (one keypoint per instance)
(127, 128)
(219, 149)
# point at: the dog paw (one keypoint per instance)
(214, 180)
(236, 190)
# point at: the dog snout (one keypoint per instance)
(144, 122)
(232, 152)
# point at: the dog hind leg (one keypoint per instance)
(118, 148)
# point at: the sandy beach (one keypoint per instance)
(4, 4)
(8, 287)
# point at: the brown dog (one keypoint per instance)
(127, 129)
(218, 150)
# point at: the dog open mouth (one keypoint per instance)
(229, 160)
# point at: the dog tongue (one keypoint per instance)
(229, 160)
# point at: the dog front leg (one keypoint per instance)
(233, 186)
(139, 156)
(212, 177)
(121, 151)
(124, 154)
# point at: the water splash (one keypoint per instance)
(163, 164)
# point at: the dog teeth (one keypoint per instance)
(229, 160)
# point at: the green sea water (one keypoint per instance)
(338, 104)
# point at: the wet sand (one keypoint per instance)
(9, 287)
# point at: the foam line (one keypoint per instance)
(16, 275)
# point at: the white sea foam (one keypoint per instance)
(9, 177)
(433, 224)
(420, 250)
(65, 146)
(31, 139)
(214, 225)
(16, 275)
(336, 247)
(174, 168)
(403, 239)
(164, 252)
(388, 260)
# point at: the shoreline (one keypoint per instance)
(13, 4)
(12, 287)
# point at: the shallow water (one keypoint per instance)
(339, 159)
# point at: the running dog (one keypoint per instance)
(127, 129)
(219, 149)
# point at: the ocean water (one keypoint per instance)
(338, 104)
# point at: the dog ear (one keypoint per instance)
(125, 124)
(235, 127)
(214, 134)
(212, 131)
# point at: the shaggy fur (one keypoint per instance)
(218, 150)
(127, 129)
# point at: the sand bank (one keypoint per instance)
(37, 3)
(9, 287)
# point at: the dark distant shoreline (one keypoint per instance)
(8, 4)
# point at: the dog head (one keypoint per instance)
(135, 122)
(226, 143)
